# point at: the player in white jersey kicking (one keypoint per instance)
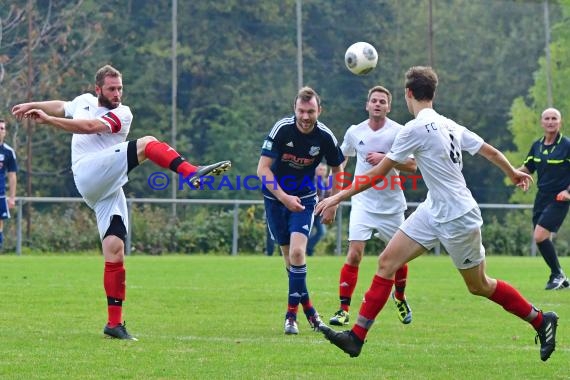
(380, 211)
(449, 215)
(101, 159)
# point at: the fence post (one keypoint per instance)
(235, 230)
(19, 228)
(532, 244)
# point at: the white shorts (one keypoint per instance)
(99, 178)
(461, 237)
(363, 223)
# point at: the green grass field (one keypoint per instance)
(219, 317)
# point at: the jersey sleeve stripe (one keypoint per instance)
(279, 125)
(112, 121)
(324, 128)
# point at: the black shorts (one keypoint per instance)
(548, 212)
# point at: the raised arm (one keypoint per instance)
(50, 107)
(80, 126)
(518, 177)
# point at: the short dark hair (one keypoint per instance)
(306, 94)
(422, 81)
(106, 71)
(380, 89)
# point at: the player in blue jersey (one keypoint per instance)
(549, 157)
(101, 158)
(289, 156)
(8, 169)
(449, 215)
(319, 230)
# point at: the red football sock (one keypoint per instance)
(166, 157)
(513, 302)
(400, 282)
(347, 283)
(292, 309)
(115, 315)
(374, 300)
(114, 282)
(307, 305)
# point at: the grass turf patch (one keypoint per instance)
(222, 317)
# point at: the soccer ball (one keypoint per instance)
(361, 58)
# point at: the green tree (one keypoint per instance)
(58, 46)
(526, 110)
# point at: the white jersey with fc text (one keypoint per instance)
(360, 140)
(86, 107)
(436, 143)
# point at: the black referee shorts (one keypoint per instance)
(548, 212)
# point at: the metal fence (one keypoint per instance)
(340, 234)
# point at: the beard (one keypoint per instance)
(106, 102)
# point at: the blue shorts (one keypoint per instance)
(282, 222)
(4, 210)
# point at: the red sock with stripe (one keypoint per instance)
(374, 300)
(166, 157)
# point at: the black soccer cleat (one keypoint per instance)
(546, 333)
(118, 332)
(213, 169)
(345, 340)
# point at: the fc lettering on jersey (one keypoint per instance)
(112, 121)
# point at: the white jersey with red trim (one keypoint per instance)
(86, 107)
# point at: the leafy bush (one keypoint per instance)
(510, 236)
(204, 230)
(60, 228)
(71, 227)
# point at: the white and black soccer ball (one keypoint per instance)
(361, 58)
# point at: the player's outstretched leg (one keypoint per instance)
(167, 157)
(546, 333)
(345, 340)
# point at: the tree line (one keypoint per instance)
(237, 73)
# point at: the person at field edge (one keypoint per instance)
(449, 215)
(8, 169)
(101, 158)
(549, 157)
(323, 190)
(289, 155)
(373, 210)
